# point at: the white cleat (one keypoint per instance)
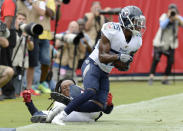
(58, 122)
(58, 119)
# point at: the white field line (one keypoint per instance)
(155, 100)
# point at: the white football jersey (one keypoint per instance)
(114, 33)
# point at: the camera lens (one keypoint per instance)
(173, 13)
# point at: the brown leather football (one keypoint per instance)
(120, 65)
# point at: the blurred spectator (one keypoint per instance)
(94, 22)
(108, 18)
(25, 6)
(39, 12)
(8, 11)
(18, 53)
(43, 42)
(7, 15)
(85, 41)
(166, 41)
(68, 53)
(6, 73)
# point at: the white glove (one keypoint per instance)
(125, 58)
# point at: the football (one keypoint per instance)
(120, 65)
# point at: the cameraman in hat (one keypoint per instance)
(166, 41)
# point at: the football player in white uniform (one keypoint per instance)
(69, 90)
(119, 42)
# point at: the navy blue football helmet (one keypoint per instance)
(131, 17)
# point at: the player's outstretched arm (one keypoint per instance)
(104, 49)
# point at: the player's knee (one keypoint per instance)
(99, 104)
(91, 91)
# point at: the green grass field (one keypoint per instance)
(13, 113)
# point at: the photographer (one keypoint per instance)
(86, 41)
(94, 22)
(41, 12)
(68, 53)
(7, 15)
(166, 41)
(19, 61)
(6, 73)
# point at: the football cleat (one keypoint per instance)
(59, 118)
(39, 117)
(58, 122)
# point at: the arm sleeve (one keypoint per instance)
(51, 4)
(106, 30)
(164, 20)
(181, 17)
(164, 23)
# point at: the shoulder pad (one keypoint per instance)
(112, 26)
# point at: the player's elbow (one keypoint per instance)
(102, 59)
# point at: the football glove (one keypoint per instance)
(109, 99)
(125, 58)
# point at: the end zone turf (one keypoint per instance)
(160, 114)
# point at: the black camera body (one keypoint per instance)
(173, 13)
(2, 26)
(114, 11)
(4, 32)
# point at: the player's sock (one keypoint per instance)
(32, 109)
(75, 103)
(89, 106)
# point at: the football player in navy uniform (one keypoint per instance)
(119, 42)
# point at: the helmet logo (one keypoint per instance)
(125, 13)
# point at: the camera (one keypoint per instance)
(114, 11)
(64, 1)
(70, 38)
(31, 29)
(4, 32)
(173, 13)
